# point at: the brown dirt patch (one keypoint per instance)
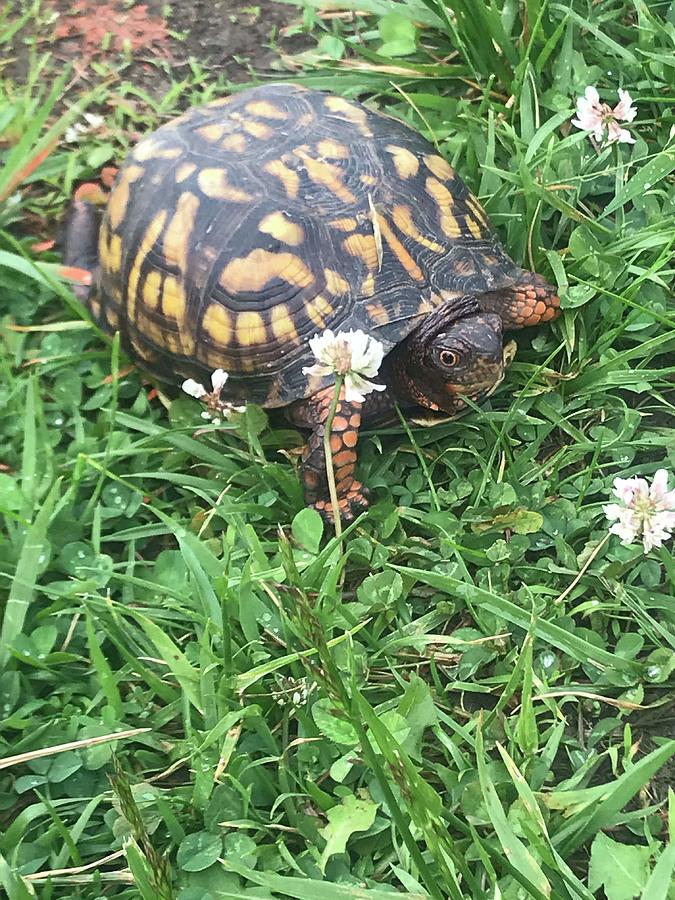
(108, 25)
(153, 43)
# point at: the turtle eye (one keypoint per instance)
(448, 358)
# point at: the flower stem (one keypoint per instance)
(570, 587)
(328, 453)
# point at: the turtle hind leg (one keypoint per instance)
(82, 225)
(80, 248)
(530, 300)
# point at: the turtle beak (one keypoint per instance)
(508, 355)
(510, 350)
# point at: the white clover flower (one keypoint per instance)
(92, 122)
(194, 389)
(598, 117)
(218, 379)
(644, 511)
(354, 354)
(215, 407)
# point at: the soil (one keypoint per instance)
(152, 43)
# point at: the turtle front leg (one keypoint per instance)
(313, 413)
(530, 301)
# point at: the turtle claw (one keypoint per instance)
(350, 505)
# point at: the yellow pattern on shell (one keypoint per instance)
(148, 241)
(281, 228)
(405, 162)
(346, 224)
(368, 286)
(234, 142)
(112, 317)
(402, 218)
(439, 167)
(215, 184)
(289, 178)
(150, 149)
(178, 235)
(119, 198)
(449, 224)
(111, 259)
(477, 210)
(318, 309)
(257, 129)
(173, 299)
(250, 328)
(335, 283)
(327, 174)
(152, 289)
(332, 149)
(283, 327)
(211, 133)
(377, 312)
(365, 247)
(221, 101)
(265, 109)
(184, 171)
(252, 272)
(473, 227)
(217, 323)
(354, 114)
(399, 250)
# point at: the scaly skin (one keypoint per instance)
(313, 413)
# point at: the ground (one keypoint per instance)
(152, 44)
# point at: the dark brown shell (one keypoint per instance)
(236, 232)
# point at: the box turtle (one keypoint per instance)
(238, 231)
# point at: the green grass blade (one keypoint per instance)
(22, 590)
(661, 880)
(310, 889)
(17, 888)
(184, 673)
(516, 852)
(589, 822)
(569, 643)
(644, 179)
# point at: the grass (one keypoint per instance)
(475, 697)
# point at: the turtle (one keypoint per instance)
(235, 233)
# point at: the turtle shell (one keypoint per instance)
(239, 230)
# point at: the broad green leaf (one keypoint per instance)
(621, 869)
(331, 721)
(199, 851)
(382, 588)
(11, 498)
(520, 521)
(398, 35)
(350, 815)
(307, 529)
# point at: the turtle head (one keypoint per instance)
(457, 352)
